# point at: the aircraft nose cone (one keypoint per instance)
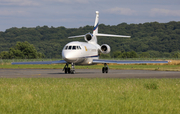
(69, 57)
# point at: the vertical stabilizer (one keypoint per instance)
(95, 31)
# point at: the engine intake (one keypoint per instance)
(105, 49)
(88, 37)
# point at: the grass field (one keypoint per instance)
(89, 96)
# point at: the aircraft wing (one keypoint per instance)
(126, 61)
(40, 62)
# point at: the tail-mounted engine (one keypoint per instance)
(105, 49)
(88, 37)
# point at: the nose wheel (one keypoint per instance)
(105, 68)
(68, 70)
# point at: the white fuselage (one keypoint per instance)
(80, 52)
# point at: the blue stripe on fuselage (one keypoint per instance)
(91, 56)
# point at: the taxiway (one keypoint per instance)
(85, 73)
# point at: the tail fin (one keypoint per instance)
(95, 31)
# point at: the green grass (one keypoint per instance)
(89, 96)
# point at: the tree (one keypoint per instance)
(117, 54)
(126, 55)
(4, 55)
(144, 55)
(176, 55)
(152, 36)
(133, 54)
(103, 56)
(22, 50)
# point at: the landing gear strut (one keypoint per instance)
(67, 69)
(105, 68)
(72, 68)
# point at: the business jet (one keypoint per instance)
(87, 53)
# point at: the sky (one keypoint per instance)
(79, 13)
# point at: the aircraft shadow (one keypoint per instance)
(76, 73)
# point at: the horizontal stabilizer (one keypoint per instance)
(110, 35)
(76, 36)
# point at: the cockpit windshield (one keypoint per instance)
(72, 48)
(69, 47)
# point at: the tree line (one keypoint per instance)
(148, 39)
(20, 51)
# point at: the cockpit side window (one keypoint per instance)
(78, 47)
(69, 47)
(74, 47)
(66, 47)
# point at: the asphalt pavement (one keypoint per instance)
(86, 73)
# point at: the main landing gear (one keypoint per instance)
(68, 70)
(105, 68)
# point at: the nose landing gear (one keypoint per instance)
(72, 68)
(105, 68)
(67, 69)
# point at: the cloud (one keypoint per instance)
(12, 12)
(164, 12)
(122, 11)
(18, 3)
(72, 1)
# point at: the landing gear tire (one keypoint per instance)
(66, 71)
(105, 68)
(69, 70)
